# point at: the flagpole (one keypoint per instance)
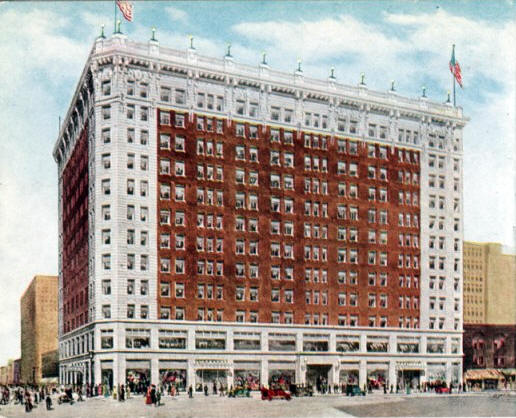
(114, 26)
(453, 76)
(453, 91)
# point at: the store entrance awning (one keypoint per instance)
(483, 374)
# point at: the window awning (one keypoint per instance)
(482, 374)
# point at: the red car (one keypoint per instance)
(275, 393)
(442, 389)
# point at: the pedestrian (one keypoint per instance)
(190, 392)
(214, 387)
(158, 397)
(148, 399)
(79, 395)
(205, 390)
(153, 394)
(48, 401)
(28, 401)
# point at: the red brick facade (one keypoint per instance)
(489, 346)
(388, 170)
(75, 236)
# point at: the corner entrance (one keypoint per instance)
(318, 375)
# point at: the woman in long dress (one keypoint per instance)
(148, 399)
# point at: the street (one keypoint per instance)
(478, 404)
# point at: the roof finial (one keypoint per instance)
(191, 41)
(153, 34)
(392, 85)
(448, 100)
(264, 58)
(299, 70)
(332, 73)
(102, 32)
(118, 26)
(228, 53)
(362, 79)
(423, 91)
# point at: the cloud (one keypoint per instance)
(343, 39)
(176, 14)
(40, 66)
(415, 49)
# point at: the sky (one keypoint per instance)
(44, 45)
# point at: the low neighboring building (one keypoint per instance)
(38, 326)
(489, 342)
(490, 355)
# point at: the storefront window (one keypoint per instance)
(210, 340)
(349, 377)
(348, 344)
(281, 378)
(282, 342)
(208, 377)
(315, 345)
(172, 342)
(377, 345)
(247, 378)
(408, 345)
(137, 338)
(435, 345)
(247, 344)
(137, 379)
(176, 377)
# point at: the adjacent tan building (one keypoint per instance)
(489, 284)
(38, 325)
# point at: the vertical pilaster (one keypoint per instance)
(155, 371)
(362, 373)
(264, 372)
(393, 374)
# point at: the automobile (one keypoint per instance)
(239, 391)
(301, 390)
(275, 393)
(354, 390)
(65, 398)
(442, 389)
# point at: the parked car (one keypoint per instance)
(301, 390)
(442, 389)
(275, 393)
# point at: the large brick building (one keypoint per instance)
(38, 326)
(220, 221)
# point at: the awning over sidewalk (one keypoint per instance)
(483, 374)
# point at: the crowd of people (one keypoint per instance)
(30, 397)
(27, 396)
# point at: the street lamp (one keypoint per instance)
(90, 355)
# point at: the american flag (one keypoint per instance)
(126, 7)
(455, 68)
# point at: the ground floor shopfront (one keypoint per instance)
(237, 354)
